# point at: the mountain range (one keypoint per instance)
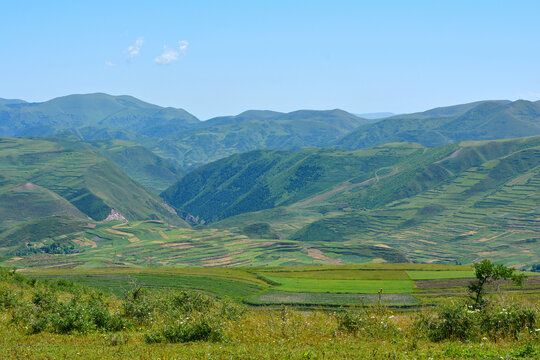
(183, 139)
(418, 186)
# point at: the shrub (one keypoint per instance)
(508, 321)
(79, 314)
(366, 322)
(231, 310)
(455, 321)
(9, 298)
(187, 301)
(188, 330)
(69, 317)
(458, 321)
(139, 305)
(10, 275)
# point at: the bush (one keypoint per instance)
(231, 310)
(46, 312)
(9, 298)
(188, 330)
(500, 322)
(367, 323)
(458, 321)
(10, 275)
(139, 305)
(70, 317)
(187, 301)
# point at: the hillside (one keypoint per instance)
(98, 110)
(176, 135)
(173, 133)
(51, 187)
(265, 179)
(220, 137)
(432, 203)
(485, 120)
(151, 171)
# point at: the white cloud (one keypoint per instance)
(110, 63)
(182, 46)
(135, 49)
(169, 55)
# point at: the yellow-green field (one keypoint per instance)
(324, 285)
(56, 319)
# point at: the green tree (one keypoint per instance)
(487, 272)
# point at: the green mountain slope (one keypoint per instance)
(173, 133)
(63, 179)
(220, 137)
(455, 204)
(28, 211)
(153, 172)
(264, 179)
(476, 121)
(95, 110)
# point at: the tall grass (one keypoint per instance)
(221, 328)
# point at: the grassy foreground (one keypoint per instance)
(58, 319)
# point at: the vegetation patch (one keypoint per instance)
(342, 286)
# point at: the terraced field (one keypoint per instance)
(482, 201)
(156, 244)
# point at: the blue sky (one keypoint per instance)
(223, 57)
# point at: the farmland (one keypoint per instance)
(268, 328)
(157, 244)
(346, 285)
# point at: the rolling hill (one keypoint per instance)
(173, 133)
(220, 137)
(151, 171)
(224, 136)
(98, 110)
(428, 203)
(263, 179)
(484, 120)
(180, 137)
(49, 187)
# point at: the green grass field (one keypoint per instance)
(342, 286)
(323, 326)
(340, 274)
(449, 274)
(311, 286)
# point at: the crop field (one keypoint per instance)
(233, 283)
(311, 286)
(341, 274)
(157, 244)
(449, 274)
(342, 286)
(308, 299)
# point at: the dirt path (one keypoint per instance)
(318, 255)
(346, 186)
(451, 156)
(116, 232)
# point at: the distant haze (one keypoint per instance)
(373, 116)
